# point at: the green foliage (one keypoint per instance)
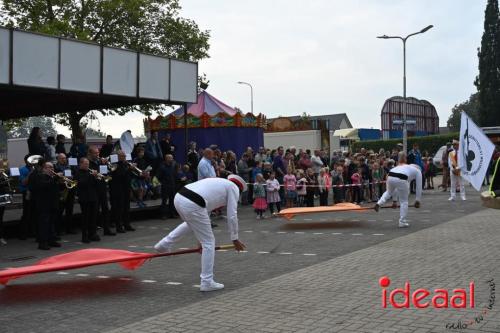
(151, 26)
(21, 128)
(471, 107)
(488, 80)
(430, 143)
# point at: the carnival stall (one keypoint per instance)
(209, 122)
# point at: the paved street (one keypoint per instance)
(306, 249)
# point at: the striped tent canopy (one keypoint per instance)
(206, 104)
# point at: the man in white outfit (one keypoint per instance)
(398, 183)
(194, 202)
(455, 176)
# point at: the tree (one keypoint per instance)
(151, 26)
(488, 80)
(471, 107)
(21, 128)
(94, 133)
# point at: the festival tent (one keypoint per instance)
(210, 121)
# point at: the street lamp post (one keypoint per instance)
(404, 39)
(251, 93)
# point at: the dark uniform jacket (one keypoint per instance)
(45, 190)
(87, 186)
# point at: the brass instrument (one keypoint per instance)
(34, 159)
(136, 171)
(69, 183)
(100, 176)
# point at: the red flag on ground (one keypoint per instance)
(89, 257)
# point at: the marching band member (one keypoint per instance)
(398, 182)
(120, 194)
(27, 226)
(88, 197)
(102, 191)
(455, 177)
(67, 201)
(140, 182)
(193, 203)
(45, 189)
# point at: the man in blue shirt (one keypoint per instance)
(205, 167)
(27, 226)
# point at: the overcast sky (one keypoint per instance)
(322, 56)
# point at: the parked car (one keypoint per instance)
(437, 158)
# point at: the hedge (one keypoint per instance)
(430, 143)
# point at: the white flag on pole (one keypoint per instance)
(475, 152)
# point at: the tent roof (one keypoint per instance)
(206, 104)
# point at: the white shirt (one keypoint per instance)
(413, 173)
(317, 163)
(220, 192)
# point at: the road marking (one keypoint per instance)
(102, 277)
(308, 219)
(222, 250)
(309, 254)
(133, 246)
(196, 285)
(281, 232)
(62, 273)
(184, 248)
(378, 234)
(336, 233)
(174, 283)
(148, 281)
(299, 232)
(125, 279)
(148, 247)
(354, 220)
(262, 252)
(286, 253)
(65, 241)
(82, 274)
(153, 227)
(372, 220)
(318, 233)
(357, 234)
(248, 231)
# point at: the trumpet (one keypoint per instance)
(100, 176)
(136, 171)
(69, 183)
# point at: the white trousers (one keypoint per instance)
(397, 188)
(195, 219)
(454, 181)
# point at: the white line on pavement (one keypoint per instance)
(262, 252)
(196, 285)
(248, 231)
(82, 274)
(281, 232)
(309, 254)
(317, 233)
(299, 232)
(357, 234)
(62, 273)
(378, 234)
(102, 277)
(285, 253)
(336, 233)
(148, 281)
(173, 283)
(125, 279)
(133, 246)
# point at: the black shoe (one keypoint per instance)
(54, 244)
(120, 230)
(376, 207)
(95, 238)
(108, 232)
(43, 246)
(129, 228)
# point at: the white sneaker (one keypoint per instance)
(3, 241)
(257, 217)
(404, 224)
(451, 199)
(464, 199)
(212, 286)
(162, 249)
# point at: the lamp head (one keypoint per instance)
(426, 28)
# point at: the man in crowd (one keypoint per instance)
(107, 148)
(95, 162)
(397, 183)
(205, 166)
(120, 194)
(193, 159)
(167, 177)
(455, 176)
(67, 201)
(317, 163)
(194, 202)
(88, 197)
(45, 190)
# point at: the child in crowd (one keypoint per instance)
(312, 183)
(301, 188)
(323, 187)
(290, 183)
(378, 177)
(273, 195)
(429, 173)
(259, 196)
(337, 184)
(356, 188)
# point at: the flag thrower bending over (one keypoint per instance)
(194, 202)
